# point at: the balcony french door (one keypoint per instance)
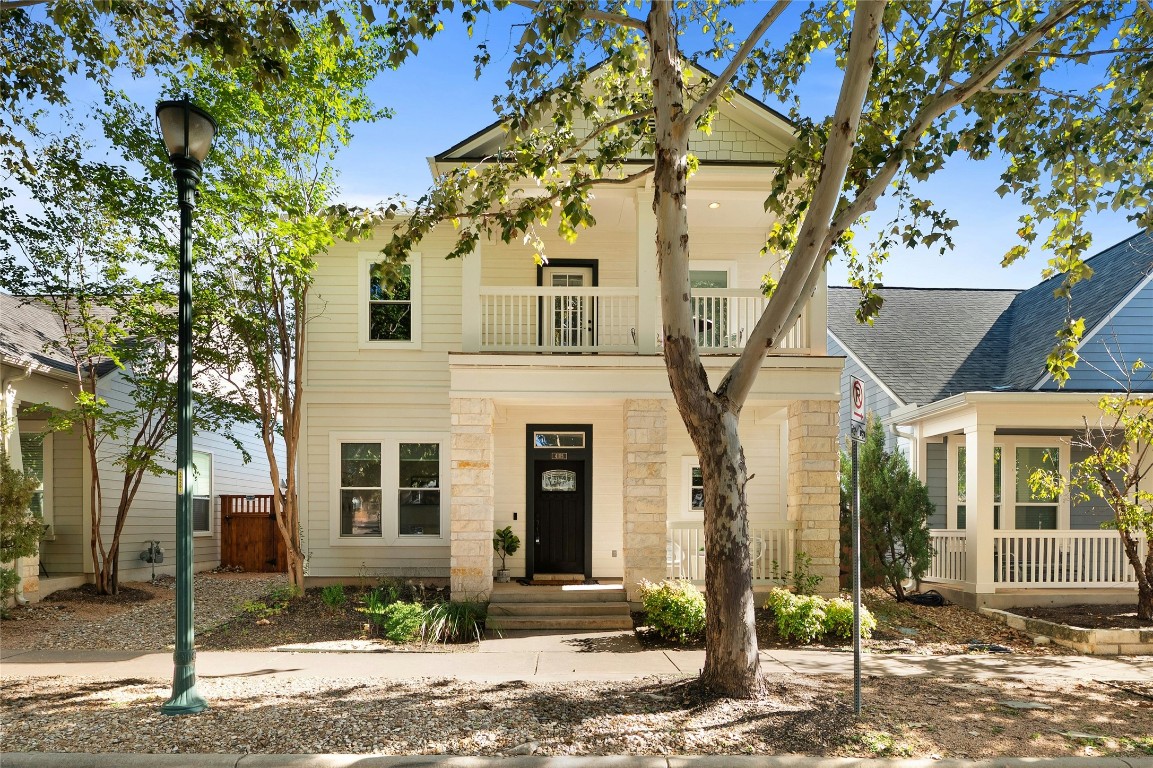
(569, 318)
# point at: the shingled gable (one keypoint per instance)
(931, 343)
(750, 132)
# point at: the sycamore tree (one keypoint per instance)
(1119, 462)
(78, 253)
(266, 211)
(1058, 92)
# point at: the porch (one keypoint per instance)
(1028, 567)
(614, 320)
(772, 548)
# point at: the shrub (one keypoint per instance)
(19, 529)
(839, 620)
(803, 582)
(454, 622)
(804, 618)
(334, 597)
(401, 622)
(675, 609)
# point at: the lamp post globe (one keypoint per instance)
(187, 131)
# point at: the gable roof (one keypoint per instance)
(930, 343)
(758, 121)
(29, 331)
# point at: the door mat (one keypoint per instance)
(555, 582)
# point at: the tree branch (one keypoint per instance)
(807, 259)
(592, 14)
(713, 93)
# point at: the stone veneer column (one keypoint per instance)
(645, 492)
(473, 496)
(814, 487)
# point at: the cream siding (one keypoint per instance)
(64, 555)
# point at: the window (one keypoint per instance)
(961, 506)
(696, 490)
(201, 492)
(559, 439)
(360, 489)
(1034, 513)
(390, 301)
(418, 500)
(35, 450)
(391, 490)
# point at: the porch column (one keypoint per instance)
(473, 496)
(28, 568)
(814, 499)
(979, 507)
(470, 301)
(648, 283)
(646, 493)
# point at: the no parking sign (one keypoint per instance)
(857, 408)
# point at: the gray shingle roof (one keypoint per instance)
(931, 343)
(30, 330)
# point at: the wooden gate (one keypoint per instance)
(250, 539)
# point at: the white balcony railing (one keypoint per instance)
(566, 319)
(772, 549)
(1047, 559)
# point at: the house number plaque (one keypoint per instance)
(559, 456)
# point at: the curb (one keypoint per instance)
(112, 760)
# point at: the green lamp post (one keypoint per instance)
(187, 131)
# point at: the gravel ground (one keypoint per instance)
(66, 624)
(903, 717)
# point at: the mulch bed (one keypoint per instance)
(1122, 616)
(87, 593)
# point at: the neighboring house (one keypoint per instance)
(30, 377)
(959, 376)
(489, 391)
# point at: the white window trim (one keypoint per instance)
(416, 296)
(211, 496)
(688, 464)
(389, 485)
(711, 265)
(1008, 445)
(46, 446)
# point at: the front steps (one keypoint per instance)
(589, 608)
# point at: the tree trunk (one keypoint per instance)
(732, 665)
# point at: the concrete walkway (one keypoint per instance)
(552, 657)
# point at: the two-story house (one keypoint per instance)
(490, 391)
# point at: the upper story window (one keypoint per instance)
(390, 303)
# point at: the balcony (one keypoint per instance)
(563, 320)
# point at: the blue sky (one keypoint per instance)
(437, 103)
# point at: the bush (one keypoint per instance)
(334, 597)
(454, 622)
(803, 582)
(20, 530)
(804, 618)
(675, 609)
(401, 622)
(839, 620)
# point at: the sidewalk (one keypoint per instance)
(552, 658)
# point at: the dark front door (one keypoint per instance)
(559, 501)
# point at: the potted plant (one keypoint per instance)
(504, 543)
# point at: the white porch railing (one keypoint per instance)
(685, 551)
(566, 319)
(1049, 559)
(948, 563)
(726, 316)
(1061, 559)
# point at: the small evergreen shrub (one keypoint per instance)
(804, 618)
(675, 609)
(19, 529)
(401, 622)
(457, 621)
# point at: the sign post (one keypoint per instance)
(857, 431)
